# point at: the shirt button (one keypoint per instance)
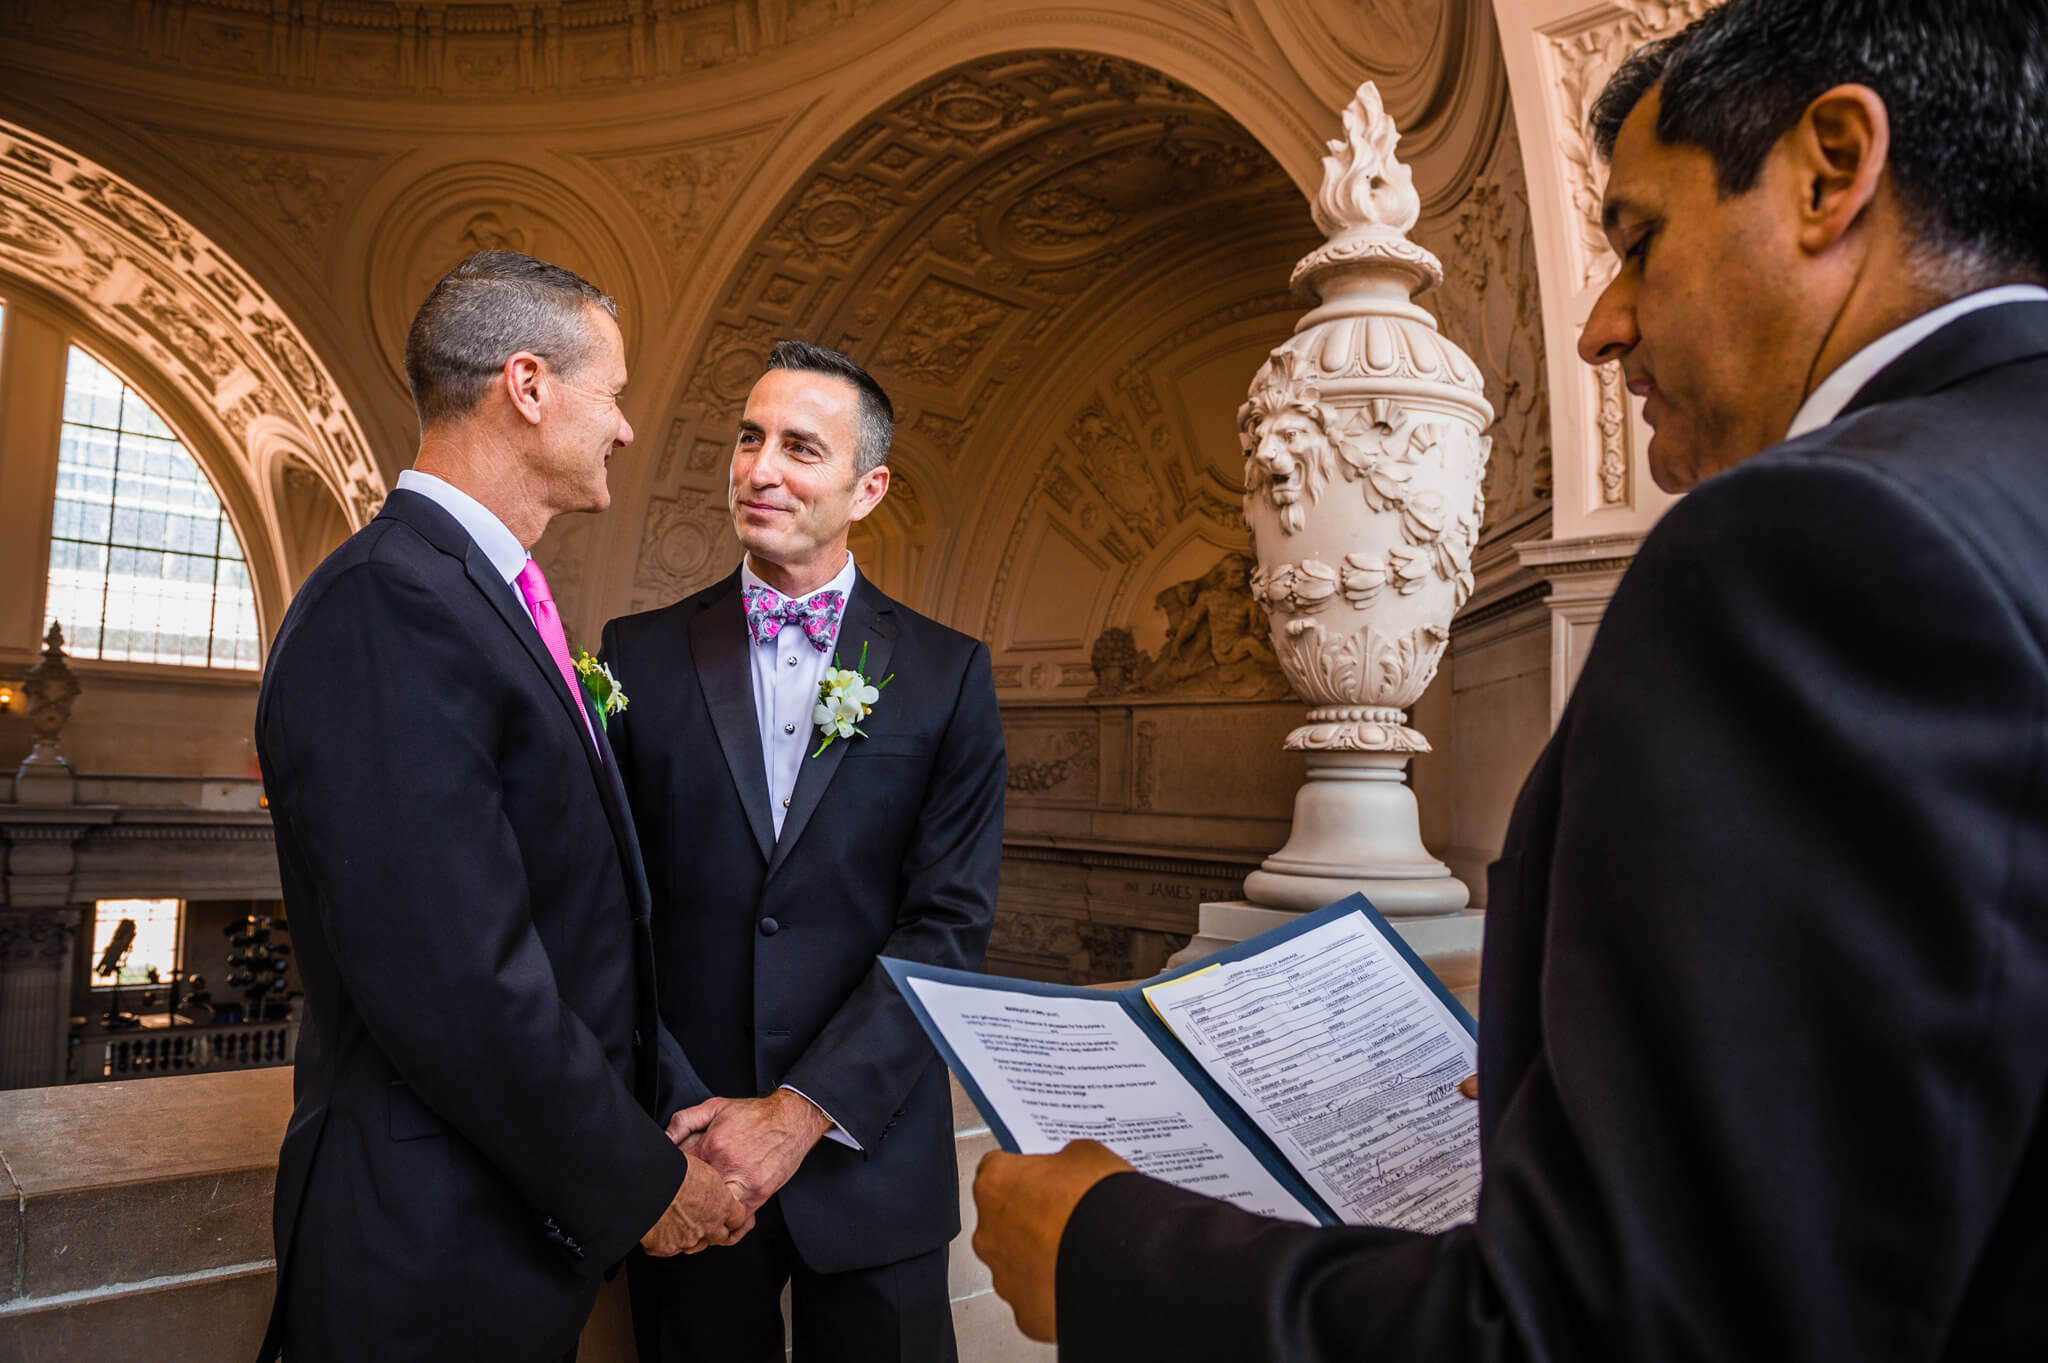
(769, 927)
(791, 660)
(789, 728)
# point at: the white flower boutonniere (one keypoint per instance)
(845, 698)
(607, 697)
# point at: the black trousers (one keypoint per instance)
(723, 1305)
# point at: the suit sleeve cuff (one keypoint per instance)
(837, 1133)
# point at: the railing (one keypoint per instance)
(185, 1050)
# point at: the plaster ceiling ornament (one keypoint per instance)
(681, 191)
(1364, 467)
(476, 49)
(149, 279)
(487, 206)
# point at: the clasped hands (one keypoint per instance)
(739, 1151)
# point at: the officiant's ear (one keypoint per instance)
(1839, 149)
(522, 377)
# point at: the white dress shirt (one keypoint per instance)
(786, 678)
(1832, 393)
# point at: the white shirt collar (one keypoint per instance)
(843, 583)
(499, 544)
(1832, 394)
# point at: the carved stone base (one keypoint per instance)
(1356, 829)
(44, 778)
(1225, 923)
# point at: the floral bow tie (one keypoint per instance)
(768, 611)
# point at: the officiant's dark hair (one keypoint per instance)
(482, 313)
(1965, 83)
(877, 426)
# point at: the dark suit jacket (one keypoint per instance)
(1764, 1035)
(892, 846)
(467, 1152)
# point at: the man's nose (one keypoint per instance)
(625, 435)
(1610, 329)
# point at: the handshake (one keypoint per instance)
(739, 1151)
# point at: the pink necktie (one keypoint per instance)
(533, 585)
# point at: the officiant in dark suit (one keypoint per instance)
(482, 1081)
(1764, 1028)
(816, 773)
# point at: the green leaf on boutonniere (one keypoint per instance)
(845, 698)
(607, 697)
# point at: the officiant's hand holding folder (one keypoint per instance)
(1310, 1072)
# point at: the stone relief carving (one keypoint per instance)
(1215, 644)
(149, 278)
(687, 544)
(458, 210)
(1053, 762)
(680, 191)
(299, 192)
(1144, 738)
(1583, 60)
(37, 938)
(448, 47)
(1112, 462)
(940, 333)
(1491, 300)
(1019, 934)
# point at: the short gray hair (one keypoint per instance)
(875, 426)
(486, 310)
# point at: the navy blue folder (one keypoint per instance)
(1140, 1011)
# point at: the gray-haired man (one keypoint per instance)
(481, 1067)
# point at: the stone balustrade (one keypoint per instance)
(141, 1226)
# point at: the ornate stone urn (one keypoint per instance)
(44, 777)
(1363, 461)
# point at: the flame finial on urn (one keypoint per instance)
(1363, 185)
(1367, 204)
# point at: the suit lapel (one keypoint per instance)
(513, 611)
(718, 645)
(871, 620)
(616, 810)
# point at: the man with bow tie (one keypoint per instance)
(783, 865)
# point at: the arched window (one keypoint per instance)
(144, 565)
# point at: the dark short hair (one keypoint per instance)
(482, 313)
(1965, 83)
(876, 425)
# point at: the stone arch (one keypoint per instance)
(991, 243)
(185, 323)
(914, 205)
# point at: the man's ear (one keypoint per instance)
(868, 491)
(522, 378)
(1840, 148)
